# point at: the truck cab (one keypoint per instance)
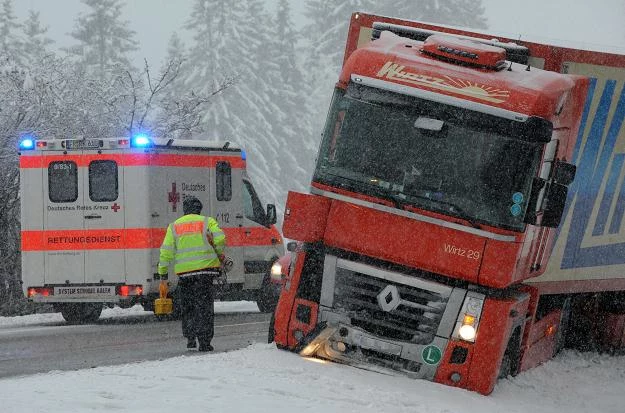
(441, 183)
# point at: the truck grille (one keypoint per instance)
(415, 319)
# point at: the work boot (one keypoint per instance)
(205, 345)
(191, 342)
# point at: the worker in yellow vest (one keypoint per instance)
(195, 244)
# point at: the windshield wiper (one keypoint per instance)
(401, 201)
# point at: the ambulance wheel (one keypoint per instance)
(268, 296)
(80, 313)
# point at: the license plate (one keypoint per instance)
(85, 291)
(83, 144)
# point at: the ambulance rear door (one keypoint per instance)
(103, 189)
(63, 217)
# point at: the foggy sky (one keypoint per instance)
(595, 25)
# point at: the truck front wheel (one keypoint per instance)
(80, 313)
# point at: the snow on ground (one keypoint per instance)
(116, 312)
(262, 378)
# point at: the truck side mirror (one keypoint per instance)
(554, 205)
(564, 173)
(271, 214)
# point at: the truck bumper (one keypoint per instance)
(354, 346)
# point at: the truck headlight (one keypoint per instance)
(467, 332)
(469, 317)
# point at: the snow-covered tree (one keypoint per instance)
(464, 13)
(231, 41)
(10, 41)
(104, 39)
(36, 41)
(289, 119)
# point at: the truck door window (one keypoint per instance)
(252, 206)
(224, 181)
(62, 181)
(103, 181)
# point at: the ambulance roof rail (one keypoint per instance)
(514, 52)
(195, 143)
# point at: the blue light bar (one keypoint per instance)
(243, 155)
(140, 141)
(27, 144)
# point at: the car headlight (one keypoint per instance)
(469, 317)
(276, 271)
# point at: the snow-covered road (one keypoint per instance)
(263, 379)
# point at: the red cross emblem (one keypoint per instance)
(174, 197)
(116, 207)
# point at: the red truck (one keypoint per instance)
(464, 221)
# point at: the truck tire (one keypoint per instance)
(510, 361)
(80, 313)
(268, 296)
(271, 333)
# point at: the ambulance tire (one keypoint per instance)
(268, 296)
(81, 313)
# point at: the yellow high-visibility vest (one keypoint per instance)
(187, 244)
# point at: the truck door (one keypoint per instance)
(104, 210)
(63, 218)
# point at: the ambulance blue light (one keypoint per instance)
(243, 155)
(27, 143)
(140, 141)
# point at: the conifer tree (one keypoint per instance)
(10, 42)
(290, 120)
(104, 39)
(36, 43)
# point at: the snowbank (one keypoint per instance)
(116, 312)
(264, 379)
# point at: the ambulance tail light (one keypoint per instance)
(27, 144)
(141, 141)
(43, 291)
(129, 290)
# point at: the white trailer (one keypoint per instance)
(94, 214)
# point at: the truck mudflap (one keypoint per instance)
(353, 346)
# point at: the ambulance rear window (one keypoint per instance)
(103, 183)
(224, 181)
(62, 181)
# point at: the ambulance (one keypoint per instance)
(94, 213)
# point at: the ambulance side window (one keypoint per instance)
(103, 182)
(62, 181)
(252, 207)
(223, 185)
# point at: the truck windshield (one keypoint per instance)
(427, 155)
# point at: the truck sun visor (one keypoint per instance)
(532, 129)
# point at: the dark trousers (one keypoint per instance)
(198, 305)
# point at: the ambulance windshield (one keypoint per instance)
(427, 155)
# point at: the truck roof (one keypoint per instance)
(400, 60)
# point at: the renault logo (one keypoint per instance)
(389, 299)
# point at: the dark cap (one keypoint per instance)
(191, 205)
